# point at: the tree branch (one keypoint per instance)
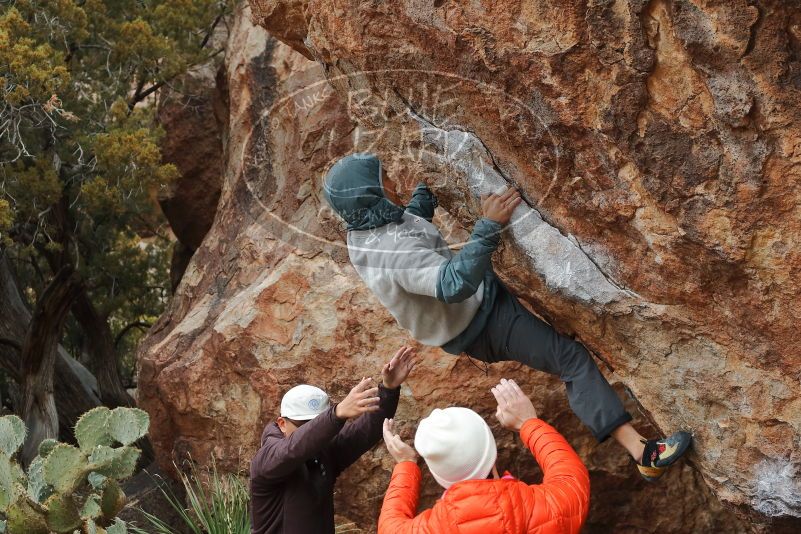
(44, 332)
(136, 96)
(39, 358)
(11, 343)
(105, 365)
(137, 324)
(205, 40)
(9, 361)
(141, 95)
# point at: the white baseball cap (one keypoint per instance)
(304, 402)
(457, 445)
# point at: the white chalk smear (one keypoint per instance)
(777, 491)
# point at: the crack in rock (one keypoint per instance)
(557, 258)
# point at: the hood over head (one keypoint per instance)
(353, 189)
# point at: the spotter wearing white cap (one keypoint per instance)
(304, 402)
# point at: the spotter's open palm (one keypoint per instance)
(398, 449)
(396, 370)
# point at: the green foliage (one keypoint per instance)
(113, 499)
(96, 479)
(8, 483)
(23, 516)
(119, 527)
(68, 488)
(218, 504)
(6, 219)
(91, 507)
(80, 162)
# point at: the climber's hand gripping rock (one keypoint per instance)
(499, 207)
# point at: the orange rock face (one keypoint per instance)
(658, 142)
(657, 146)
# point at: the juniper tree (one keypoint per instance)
(79, 169)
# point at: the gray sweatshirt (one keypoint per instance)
(443, 299)
(400, 263)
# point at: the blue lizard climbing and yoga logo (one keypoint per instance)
(419, 136)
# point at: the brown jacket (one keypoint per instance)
(292, 479)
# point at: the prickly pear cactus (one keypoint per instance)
(62, 513)
(126, 425)
(12, 434)
(38, 489)
(92, 429)
(70, 489)
(65, 467)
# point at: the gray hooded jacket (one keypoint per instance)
(442, 298)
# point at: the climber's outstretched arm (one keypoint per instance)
(279, 457)
(424, 271)
(460, 276)
(423, 202)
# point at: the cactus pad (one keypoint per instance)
(114, 463)
(38, 490)
(23, 518)
(62, 513)
(91, 507)
(12, 434)
(119, 527)
(46, 446)
(65, 467)
(126, 425)
(96, 479)
(92, 429)
(7, 483)
(113, 499)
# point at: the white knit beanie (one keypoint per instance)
(456, 444)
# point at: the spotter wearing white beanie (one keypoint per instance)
(304, 402)
(457, 445)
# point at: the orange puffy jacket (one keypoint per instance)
(497, 506)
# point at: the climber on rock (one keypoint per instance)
(459, 449)
(455, 301)
(293, 473)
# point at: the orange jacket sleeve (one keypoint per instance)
(400, 503)
(566, 482)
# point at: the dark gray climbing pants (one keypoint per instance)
(514, 334)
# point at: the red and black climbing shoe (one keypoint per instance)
(660, 453)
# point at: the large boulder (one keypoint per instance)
(269, 300)
(658, 146)
(194, 117)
